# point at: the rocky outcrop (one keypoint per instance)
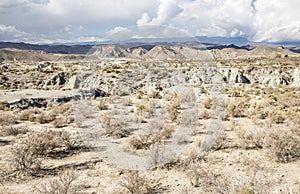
(296, 78)
(271, 76)
(274, 81)
(73, 83)
(26, 103)
(40, 102)
(56, 81)
(233, 76)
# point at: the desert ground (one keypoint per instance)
(165, 119)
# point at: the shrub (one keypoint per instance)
(44, 117)
(146, 140)
(172, 109)
(237, 109)
(277, 117)
(24, 159)
(64, 184)
(135, 183)
(26, 155)
(205, 114)
(7, 118)
(9, 130)
(285, 145)
(215, 141)
(112, 127)
(29, 114)
(102, 105)
(207, 103)
(204, 176)
(252, 138)
(60, 121)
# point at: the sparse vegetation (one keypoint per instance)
(164, 112)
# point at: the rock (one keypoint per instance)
(274, 81)
(296, 78)
(45, 66)
(73, 83)
(56, 81)
(233, 76)
(93, 93)
(1, 60)
(26, 103)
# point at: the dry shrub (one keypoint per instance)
(60, 121)
(206, 114)
(71, 141)
(284, 145)
(102, 105)
(24, 159)
(44, 117)
(237, 108)
(256, 179)
(29, 114)
(134, 183)
(172, 109)
(7, 118)
(169, 95)
(155, 94)
(252, 138)
(64, 184)
(208, 103)
(112, 127)
(208, 178)
(15, 130)
(64, 109)
(220, 141)
(145, 108)
(145, 141)
(215, 141)
(26, 155)
(277, 116)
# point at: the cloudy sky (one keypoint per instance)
(51, 21)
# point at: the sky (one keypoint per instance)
(63, 21)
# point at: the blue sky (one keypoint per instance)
(51, 21)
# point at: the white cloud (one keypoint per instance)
(277, 20)
(144, 20)
(119, 33)
(167, 9)
(12, 33)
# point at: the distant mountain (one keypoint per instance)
(218, 40)
(60, 49)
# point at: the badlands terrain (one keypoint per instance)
(150, 118)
